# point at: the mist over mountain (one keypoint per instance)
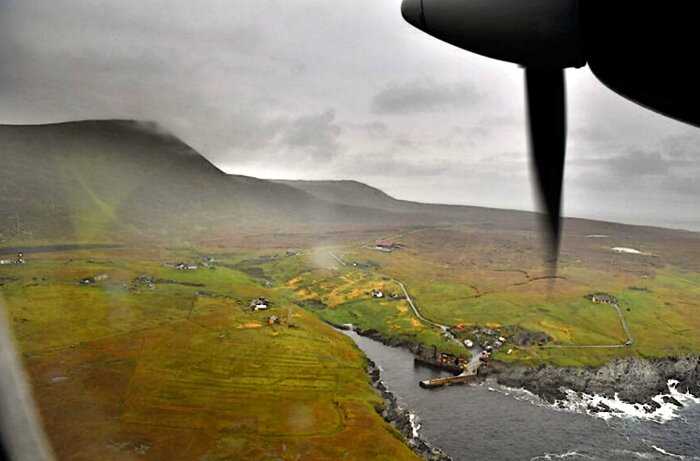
(117, 179)
(99, 180)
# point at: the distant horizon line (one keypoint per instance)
(667, 224)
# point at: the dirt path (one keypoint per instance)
(337, 258)
(416, 311)
(625, 328)
(445, 329)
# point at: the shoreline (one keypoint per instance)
(646, 387)
(402, 419)
(631, 380)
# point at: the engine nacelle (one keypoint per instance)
(532, 33)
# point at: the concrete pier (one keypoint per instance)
(447, 381)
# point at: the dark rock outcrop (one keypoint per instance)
(633, 379)
(400, 418)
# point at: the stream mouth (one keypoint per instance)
(491, 422)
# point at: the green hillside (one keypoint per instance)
(98, 180)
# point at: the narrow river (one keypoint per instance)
(484, 422)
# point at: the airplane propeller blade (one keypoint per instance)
(542, 36)
(546, 107)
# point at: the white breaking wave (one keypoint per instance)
(671, 455)
(567, 455)
(517, 393)
(631, 251)
(635, 454)
(591, 404)
(415, 425)
(596, 405)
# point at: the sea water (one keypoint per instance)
(492, 422)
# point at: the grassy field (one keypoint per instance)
(182, 369)
(150, 361)
(456, 281)
(454, 285)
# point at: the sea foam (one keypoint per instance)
(606, 408)
(616, 407)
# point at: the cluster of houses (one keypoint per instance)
(380, 294)
(486, 338)
(261, 304)
(18, 260)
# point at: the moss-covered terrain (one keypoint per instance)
(129, 355)
(149, 361)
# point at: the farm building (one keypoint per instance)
(272, 320)
(259, 304)
(185, 267)
(603, 298)
(386, 245)
(377, 293)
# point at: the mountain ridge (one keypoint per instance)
(97, 180)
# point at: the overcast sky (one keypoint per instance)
(337, 89)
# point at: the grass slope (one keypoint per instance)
(94, 181)
(183, 369)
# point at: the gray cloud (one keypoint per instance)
(639, 163)
(381, 164)
(376, 129)
(424, 96)
(315, 134)
(684, 145)
(250, 83)
(685, 185)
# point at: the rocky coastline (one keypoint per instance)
(632, 379)
(402, 419)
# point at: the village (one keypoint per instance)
(478, 342)
(481, 342)
(19, 259)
